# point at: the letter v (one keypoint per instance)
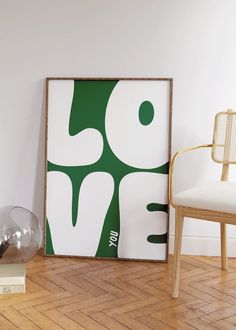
(94, 200)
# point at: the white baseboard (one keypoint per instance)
(203, 245)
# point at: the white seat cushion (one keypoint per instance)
(214, 196)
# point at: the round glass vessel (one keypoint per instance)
(20, 235)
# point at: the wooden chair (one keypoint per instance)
(212, 201)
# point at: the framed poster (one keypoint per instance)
(108, 148)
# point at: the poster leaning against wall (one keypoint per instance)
(107, 160)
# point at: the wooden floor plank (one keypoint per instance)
(85, 321)
(6, 324)
(108, 321)
(130, 322)
(91, 302)
(59, 303)
(153, 323)
(116, 305)
(15, 317)
(200, 324)
(38, 318)
(222, 325)
(62, 320)
(48, 299)
(223, 313)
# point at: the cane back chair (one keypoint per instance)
(212, 201)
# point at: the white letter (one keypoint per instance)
(133, 143)
(137, 190)
(94, 200)
(82, 149)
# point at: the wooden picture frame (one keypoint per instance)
(107, 163)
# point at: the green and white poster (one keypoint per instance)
(107, 167)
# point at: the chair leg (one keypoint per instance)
(179, 219)
(223, 241)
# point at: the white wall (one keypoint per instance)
(192, 41)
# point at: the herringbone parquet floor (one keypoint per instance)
(67, 293)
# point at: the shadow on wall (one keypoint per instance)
(39, 183)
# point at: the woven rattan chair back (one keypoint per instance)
(224, 139)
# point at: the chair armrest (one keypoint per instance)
(172, 164)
